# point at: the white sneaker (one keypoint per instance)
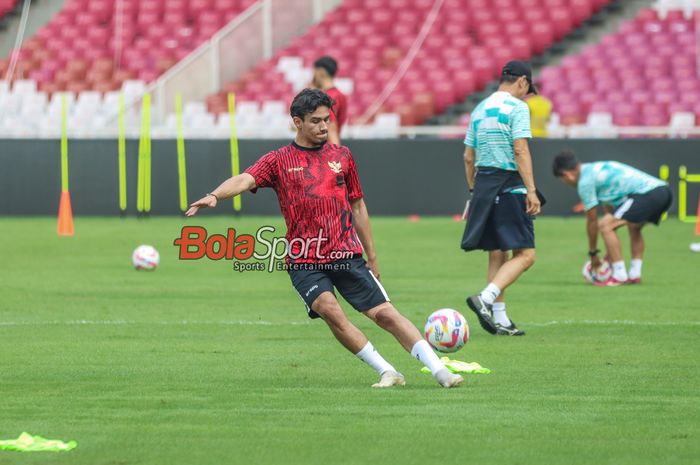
(390, 378)
(447, 379)
(695, 246)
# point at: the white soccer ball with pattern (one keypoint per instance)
(600, 275)
(145, 257)
(446, 330)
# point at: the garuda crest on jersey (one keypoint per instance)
(335, 166)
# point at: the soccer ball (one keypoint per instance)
(600, 275)
(145, 257)
(446, 330)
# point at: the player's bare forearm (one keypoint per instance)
(469, 168)
(333, 134)
(360, 219)
(592, 228)
(227, 189)
(234, 186)
(524, 162)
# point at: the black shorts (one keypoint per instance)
(508, 227)
(645, 208)
(351, 277)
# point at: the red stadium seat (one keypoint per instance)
(152, 34)
(667, 74)
(464, 50)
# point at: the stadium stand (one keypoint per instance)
(93, 50)
(464, 50)
(6, 6)
(645, 74)
(93, 45)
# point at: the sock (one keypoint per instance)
(423, 352)
(490, 293)
(635, 268)
(499, 314)
(371, 357)
(619, 271)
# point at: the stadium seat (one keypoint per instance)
(462, 53)
(149, 38)
(6, 6)
(640, 72)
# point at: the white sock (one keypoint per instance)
(371, 357)
(619, 271)
(490, 293)
(423, 352)
(635, 268)
(499, 314)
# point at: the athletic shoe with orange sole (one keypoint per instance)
(610, 282)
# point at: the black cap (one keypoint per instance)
(517, 69)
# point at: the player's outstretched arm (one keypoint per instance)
(469, 160)
(229, 188)
(592, 232)
(360, 219)
(524, 162)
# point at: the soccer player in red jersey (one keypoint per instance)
(320, 196)
(325, 69)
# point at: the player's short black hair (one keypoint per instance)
(307, 101)
(565, 161)
(327, 63)
(508, 78)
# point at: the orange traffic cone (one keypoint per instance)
(697, 223)
(65, 216)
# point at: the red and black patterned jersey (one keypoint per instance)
(314, 187)
(339, 112)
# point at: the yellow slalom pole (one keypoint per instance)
(682, 193)
(235, 163)
(122, 157)
(181, 164)
(141, 182)
(147, 163)
(664, 175)
(685, 178)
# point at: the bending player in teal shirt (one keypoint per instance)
(636, 198)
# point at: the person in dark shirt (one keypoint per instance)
(321, 198)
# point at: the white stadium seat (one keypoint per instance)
(274, 107)
(289, 63)
(23, 86)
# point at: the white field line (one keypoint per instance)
(161, 323)
(302, 323)
(614, 323)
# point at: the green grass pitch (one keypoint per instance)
(197, 364)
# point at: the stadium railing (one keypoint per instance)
(571, 132)
(252, 36)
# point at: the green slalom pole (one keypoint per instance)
(181, 162)
(122, 157)
(235, 164)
